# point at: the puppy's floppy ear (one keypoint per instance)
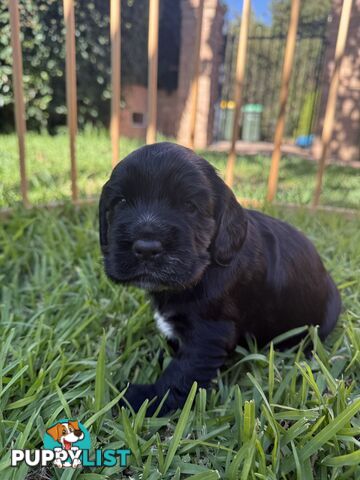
(103, 223)
(231, 227)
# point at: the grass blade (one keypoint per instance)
(180, 427)
(100, 376)
(210, 475)
(130, 436)
(323, 436)
(343, 460)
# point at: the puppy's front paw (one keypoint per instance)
(136, 395)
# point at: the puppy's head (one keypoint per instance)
(165, 215)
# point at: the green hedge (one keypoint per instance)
(43, 46)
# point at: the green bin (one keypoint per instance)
(251, 128)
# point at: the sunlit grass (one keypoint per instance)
(341, 187)
(49, 171)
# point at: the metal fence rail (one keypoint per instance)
(115, 32)
(263, 76)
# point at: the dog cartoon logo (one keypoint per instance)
(68, 438)
(67, 443)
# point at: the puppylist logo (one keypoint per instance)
(67, 445)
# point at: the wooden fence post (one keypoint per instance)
(284, 91)
(332, 97)
(153, 69)
(115, 32)
(71, 97)
(194, 91)
(19, 96)
(239, 86)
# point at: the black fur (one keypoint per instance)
(223, 271)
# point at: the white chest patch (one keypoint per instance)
(163, 325)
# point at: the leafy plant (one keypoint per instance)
(43, 47)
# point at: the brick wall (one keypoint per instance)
(135, 104)
(345, 143)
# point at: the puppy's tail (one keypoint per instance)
(333, 310)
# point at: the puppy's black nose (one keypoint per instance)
(146, 249)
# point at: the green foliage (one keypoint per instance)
(43, 46)
(306, 114)
(310, 11)
(63, 324)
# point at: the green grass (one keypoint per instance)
(48, 165)
(49, 172)
(71, 340)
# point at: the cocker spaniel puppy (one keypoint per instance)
(214, 270)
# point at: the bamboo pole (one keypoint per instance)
(332, 97)
(194, 91)
(239, 85)
(71, 97)
(115, 32)
(284, 92)
(19, 96)
(153, 69)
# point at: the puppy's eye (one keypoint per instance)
(121, 202)
(190, 206)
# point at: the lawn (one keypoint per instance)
(49, 170)
(71, 341)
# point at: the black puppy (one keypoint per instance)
(214, 270)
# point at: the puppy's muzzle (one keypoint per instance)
(147, 249)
